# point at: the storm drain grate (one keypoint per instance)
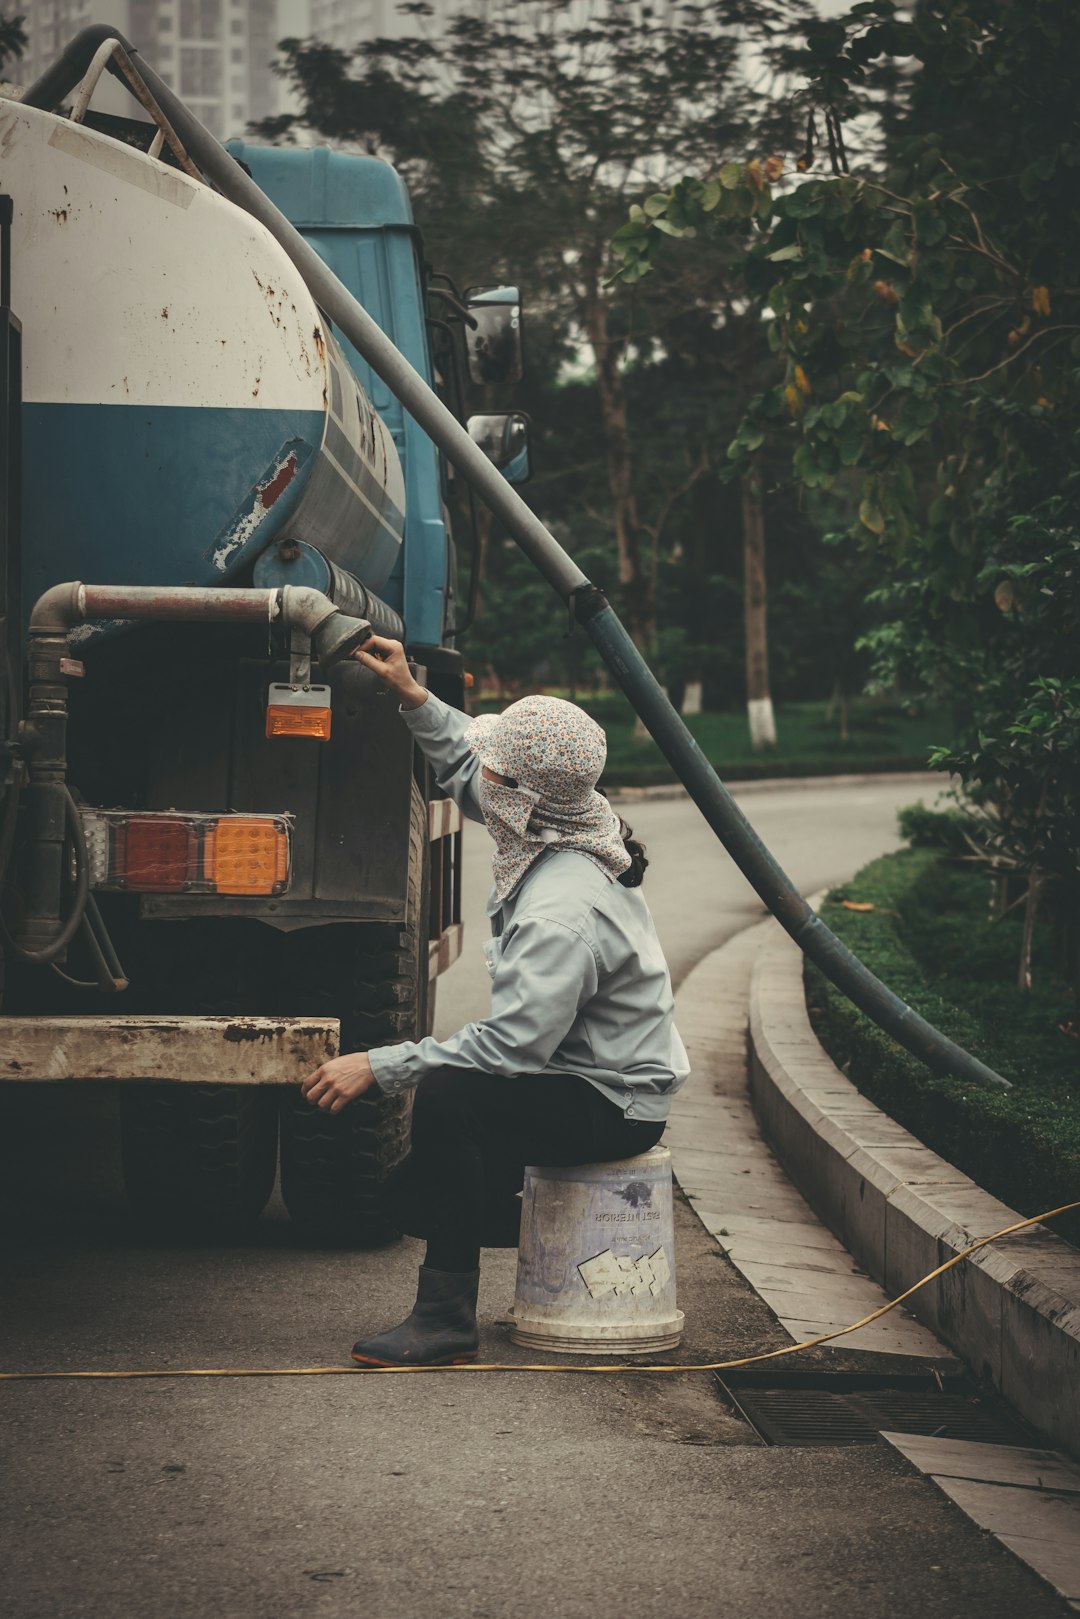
(834, 1415)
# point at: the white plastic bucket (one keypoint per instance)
(596, 1259)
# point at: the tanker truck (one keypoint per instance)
(220, 851)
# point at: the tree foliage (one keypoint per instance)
(924, 311)
(523, 131)
(13, 40)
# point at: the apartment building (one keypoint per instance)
(215, 53)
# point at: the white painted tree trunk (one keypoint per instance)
(759, 706)
(759, 714)
(692, 695)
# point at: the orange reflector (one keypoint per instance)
(281, 721)
(245, 855)
(298, 711)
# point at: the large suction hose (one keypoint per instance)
(562, 573)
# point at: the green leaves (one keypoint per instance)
(712, 209)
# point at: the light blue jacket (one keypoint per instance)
(579, 981)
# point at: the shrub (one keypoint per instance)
(929, 938)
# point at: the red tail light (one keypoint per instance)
(169, 853)
(158, 854)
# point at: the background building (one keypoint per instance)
(215, 53)
(345, 23)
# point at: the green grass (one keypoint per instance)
(929, 939)
(882, 737)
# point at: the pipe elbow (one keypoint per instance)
(58, 609)
(305, 607)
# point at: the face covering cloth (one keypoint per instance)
(555, 754)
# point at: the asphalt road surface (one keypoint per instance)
(462, 1495)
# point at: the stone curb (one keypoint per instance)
(914, 778)
(1011, 1311)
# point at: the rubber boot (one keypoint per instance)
(441, 1331)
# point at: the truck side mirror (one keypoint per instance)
(493, 345)
(504, 439)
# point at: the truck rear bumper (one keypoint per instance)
(197, 1050)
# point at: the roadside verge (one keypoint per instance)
(1012, 1311)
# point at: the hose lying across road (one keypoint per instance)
(510, 1366)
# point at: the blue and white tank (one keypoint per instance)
(185, 402)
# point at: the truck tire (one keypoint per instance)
(198, 1159)
(375, 979)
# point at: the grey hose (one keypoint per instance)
(754, 860)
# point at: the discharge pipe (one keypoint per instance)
(334, 634)
(585, 601)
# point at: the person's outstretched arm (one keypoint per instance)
(546, 974)
(439, 729)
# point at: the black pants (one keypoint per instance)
(472, 1136)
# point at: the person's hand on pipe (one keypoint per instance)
(338, 1082)
(387, 659)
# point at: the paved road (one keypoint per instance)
(464, 1495)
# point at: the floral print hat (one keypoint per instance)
(554, 753)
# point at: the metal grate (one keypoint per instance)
(832, 1414)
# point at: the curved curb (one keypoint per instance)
(767, 784)
(1012, 1311)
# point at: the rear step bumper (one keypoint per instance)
(198, 1050)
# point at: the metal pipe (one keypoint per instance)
(561, 572)
(335, 634)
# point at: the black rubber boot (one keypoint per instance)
(441, 1331)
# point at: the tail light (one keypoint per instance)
(167, 853)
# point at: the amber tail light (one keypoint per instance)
(165, 852)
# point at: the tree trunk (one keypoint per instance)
(635, 581)
(1027, 938)
(839, 700)
(692, 696)
(759, 706)
(485, 524)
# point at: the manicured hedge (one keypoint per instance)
(929, 938)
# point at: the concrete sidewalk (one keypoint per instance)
(743, 1003)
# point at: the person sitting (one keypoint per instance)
(579, 1058)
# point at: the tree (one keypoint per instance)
(523, 131)
(926, 318)
(13, 40)
(724, 209)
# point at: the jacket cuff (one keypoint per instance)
(390, 1066)
(428, 717)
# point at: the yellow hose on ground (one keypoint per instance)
(509, 1366)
